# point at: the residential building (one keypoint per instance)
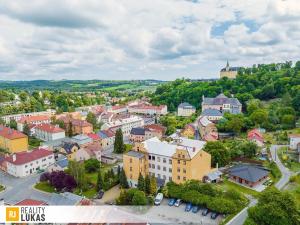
(117, 109)
(148, 109)
(105, 117)
(185, 109)
(33, 120)
(157, 130)
(179, 161)
(208, 130)
(69, 149)
(139, 134)
(230, 72)
(82, 140)
(48, 132)
(17, 117)
(255, 136)
(92, 150)
(214, 115)
(125, 124)
(108, 159)
(222, 103)
(294, 140)
(248, 175)
(107, 138)
(78, 126)
(22, 164)
(189, 131)
(13, 140)
(60, 164)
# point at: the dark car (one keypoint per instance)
(172, 201)
(214, 215)
(188, 207)
(195, 209)
(205, 212)
(100, 194)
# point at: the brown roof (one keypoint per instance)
(30, 202)
(9, 133)
(25, 157)
(156, 127)
(31, 119)
(152, 107)
(49, 128)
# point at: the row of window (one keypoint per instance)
(164, 160)
(158, 167)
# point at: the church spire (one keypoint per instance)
(227, 66)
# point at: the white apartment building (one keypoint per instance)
(17, 117)
(48, 132)
(125, 124)
(148, 109)
(22, 164)
(294, 140)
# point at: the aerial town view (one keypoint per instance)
(150, 112)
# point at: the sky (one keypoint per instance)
(143, 39)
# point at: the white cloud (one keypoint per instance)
(110, 39)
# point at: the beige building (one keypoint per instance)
(179, 161)
(185, 109)
(230, 72)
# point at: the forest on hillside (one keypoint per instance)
(270, 94)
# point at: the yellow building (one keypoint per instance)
(179, 161)
(188, 131)
(13, 140)
(230, 72)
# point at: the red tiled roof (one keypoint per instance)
(116, 107)
(49, 128)
(94, 136)
(152, 107)
(25, 157)
(31, 119)
(31, 202)
(9, 133)
(156, 127)
(82, 123)
(255, 134)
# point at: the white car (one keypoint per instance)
(159, 197)
(178, 202)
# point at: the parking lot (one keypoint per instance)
(177, 215)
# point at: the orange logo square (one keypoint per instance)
(12, 214)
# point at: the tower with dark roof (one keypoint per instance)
(230, 72)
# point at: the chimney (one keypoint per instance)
(14, 157)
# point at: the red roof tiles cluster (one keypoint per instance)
(156, 127)
(9, 133)
(25, 157)
(31, 202)
(49, 128)
(255, 134)
(32, 119)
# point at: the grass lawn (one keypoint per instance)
(275, 173)
(226, 185)
(289, 159)
(90, 193)
(294, 188)
(44, 186)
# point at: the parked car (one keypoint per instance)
(159, 197)
(195, 209)
(178, 202)
(214, 215)
(205, 212)
(172, 201)
(188, 207)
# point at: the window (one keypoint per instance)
(153, 166)
(149, 165)
(164, 160)
(183, 156)
(178, 161)
(153, 157)
(164, 177)
(170, 170)
(158, 159)
(164, 168)
(158, 167)
(184, 162)
(179, 156)
(149, 157)
(178, 177)
(130, 168)
(130, 160)
(170, 178)
(170, 161)
(184, 178)
(178, 169)
(184, 170)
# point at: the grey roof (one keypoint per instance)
(235, 68)
(248, 172)
(186, 105)
(63, 162)
(138, 131)
(211, 112)
(135, 154)
(214, 175)
(66, 198)
(220, 100)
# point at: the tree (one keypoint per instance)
(91, 118)
(119, 146)
(248, 148)
(13, 124)
(141, 183)
(91, 165)
(153, 185)
(259, 116)
(26, 129)
(219, 153)
(100, 182)
(70, 129)
(274, 207)
(69, 182)
(78, 172)
(139, 198)
(147, 184)
(123, 179)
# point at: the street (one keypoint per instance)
(240, 218)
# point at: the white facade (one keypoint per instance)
(186, 111)
(160, 166)
(48, 136)
(294, 140)
(125, 124)
(149, 110)
(30, 167)
(20, 126)
(17, 117)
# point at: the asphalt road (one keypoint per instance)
(240, 218)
